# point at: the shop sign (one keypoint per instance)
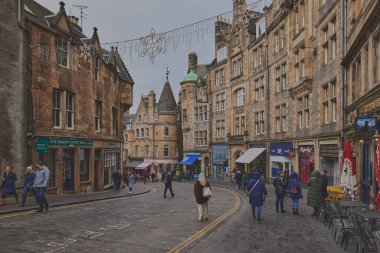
(292, 152)
(369, 107)
(43, 143)
(306, 150)
(280, 148)
(41, 147)
(219, 154)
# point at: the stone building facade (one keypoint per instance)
(77, 102)
(361, 64)
(195, 109)
(14, 90)
(153, 132)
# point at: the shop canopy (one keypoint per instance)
(250, 155)
(189, 160)
(143, 165)
(133, 164)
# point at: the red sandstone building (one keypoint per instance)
(77, 103)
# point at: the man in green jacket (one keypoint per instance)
(314, 195)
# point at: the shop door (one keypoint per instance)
(366, 180)
(68, 163)
(97, 168)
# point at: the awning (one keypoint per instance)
(133, 164)
(250, 155)
(189, 160)
(143, 165)
(161, 161)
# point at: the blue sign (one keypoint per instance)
(280, 148)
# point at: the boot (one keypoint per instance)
(258, 218)
(2, 201)
(294, 211)
(17, 201)
(277, 209)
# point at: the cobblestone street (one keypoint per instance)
(150, 223)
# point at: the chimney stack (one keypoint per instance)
(75, 22)
(193, 60)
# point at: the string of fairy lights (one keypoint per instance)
(155, 44)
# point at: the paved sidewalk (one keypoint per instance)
(69, 199)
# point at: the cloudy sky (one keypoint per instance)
(119, 20)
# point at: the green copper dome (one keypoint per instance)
(191, 77)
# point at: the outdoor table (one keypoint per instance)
(350, 204)
(334, 196)
(371, 215)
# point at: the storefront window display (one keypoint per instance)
(84, 164)
(111, 163)
(329, 161)
(307, 162)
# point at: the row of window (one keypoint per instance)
(200, 138)
(147, 151)
(200, 113)
(64, 106)
(142, 119)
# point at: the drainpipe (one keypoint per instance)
(344, 70)
(267, 92)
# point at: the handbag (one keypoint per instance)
(207, 192)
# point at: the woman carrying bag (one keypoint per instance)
(202, 193)
(256, 194)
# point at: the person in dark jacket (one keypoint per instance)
(295, 192)
(314, 195)
(280, 190)
(286, 176)
(239, 180)
(116, 180)
(256, 193)
(168, 183)
(8, 184)
(202, 202)
(28, 183)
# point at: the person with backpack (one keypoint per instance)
(168, 183)
(295, 192)
(257, 194)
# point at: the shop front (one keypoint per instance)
(307, 162)
(254, 159)
(112, 161)
(279, 157)
(329, 161)
(219, 161)
(191, 165)
(68, 160)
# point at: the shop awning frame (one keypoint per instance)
(250, 155)
(133, 164)
(189, 160)
(143, 165)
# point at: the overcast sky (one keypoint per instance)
(119, 20)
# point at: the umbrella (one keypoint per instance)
(377, 160)
(349, 182)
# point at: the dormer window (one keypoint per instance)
(63, 50)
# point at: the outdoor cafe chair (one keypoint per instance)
(340, 222)
(352, 231)
(368, 239)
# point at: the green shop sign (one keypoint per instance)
(42, 144)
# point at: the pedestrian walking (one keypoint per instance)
(153, 176)
(8, 185)
(314, 195)
(239, 180)
(29, 177)
(257, 194)
(116, 179)
(41, 181)
(295, 192)
(280, 186)
(130, 181)
(202, 196)
(168, 183)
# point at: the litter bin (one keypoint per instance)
(177, 176)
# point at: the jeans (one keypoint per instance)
(280, 201)
(25, 191)
(256, 210)
(40, 193)
(116, 185)
(295, 203)
(168, 186)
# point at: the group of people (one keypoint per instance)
(285, 184)
(35, 181)
(117, 178)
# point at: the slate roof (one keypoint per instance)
(167, 103)
(43, 17)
